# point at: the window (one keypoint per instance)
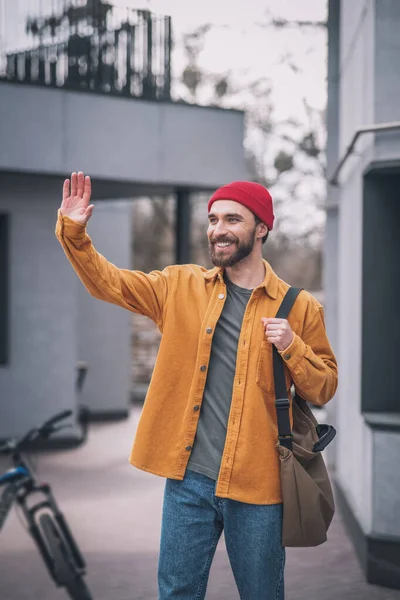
(381, 293)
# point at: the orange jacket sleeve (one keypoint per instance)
(139, 292)
(311, 361)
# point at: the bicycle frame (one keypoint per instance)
(6, 502)
(19, 491)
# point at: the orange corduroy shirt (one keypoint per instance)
(185, 301)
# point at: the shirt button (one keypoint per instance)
(287, 356)
(209, 330)
(203, 368)
(221, 296)
(196, 408)
(188, 448)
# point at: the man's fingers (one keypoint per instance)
(74, 184)
(66, 200)
(87, 190)
(66, 189)
(81, 183)
(89, 210)
(274, 324)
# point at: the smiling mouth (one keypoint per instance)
(223, 245)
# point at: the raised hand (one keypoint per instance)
(75, 202)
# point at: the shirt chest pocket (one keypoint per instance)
(265, 371)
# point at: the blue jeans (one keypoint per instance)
(192, 523)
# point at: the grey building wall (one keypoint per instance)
(118, 139)
(104, 330)
(356, 75)
(367, 446)
(54, 322)
(330, 271)
(350, 106)
(40, 377)
(387, 78)
(386, 63)
(385, 494)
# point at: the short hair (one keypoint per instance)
(258, 221)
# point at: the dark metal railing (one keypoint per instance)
(87, 45)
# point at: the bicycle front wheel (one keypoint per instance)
(65, 572)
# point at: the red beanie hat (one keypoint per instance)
(252, 195)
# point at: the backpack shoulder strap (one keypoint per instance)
(287, 302)
(281, 399)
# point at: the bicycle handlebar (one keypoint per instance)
(44, 431)
(6, 447)
(59, 417)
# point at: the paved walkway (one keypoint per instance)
(115, 513)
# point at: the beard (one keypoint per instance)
(243, 249)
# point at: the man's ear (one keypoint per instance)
(262, 230)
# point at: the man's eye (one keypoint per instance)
(232, 220)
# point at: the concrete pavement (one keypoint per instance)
(114, 511)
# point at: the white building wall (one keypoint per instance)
(357, 49)
(356, 84)
(353, 466)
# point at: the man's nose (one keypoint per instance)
(220, 228)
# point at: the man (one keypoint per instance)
(208, 424)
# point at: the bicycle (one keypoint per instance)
(45, 523)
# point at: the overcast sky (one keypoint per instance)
(239, 42)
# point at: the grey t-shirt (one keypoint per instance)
(211, 431)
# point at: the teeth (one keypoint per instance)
(224, 243)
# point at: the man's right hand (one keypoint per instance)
(75, 202)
